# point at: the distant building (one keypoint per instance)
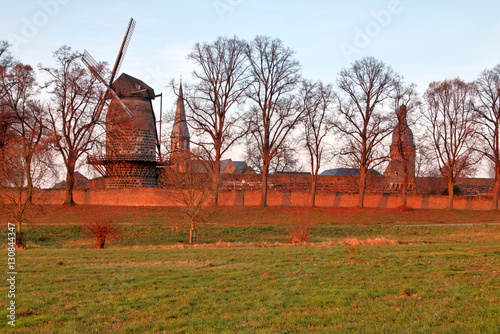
(402, 153)
(180, 138)
(81, 182)
(228, 166)
(348, 172)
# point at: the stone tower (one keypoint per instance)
(131, 142)
(179, 139)
(402, 153)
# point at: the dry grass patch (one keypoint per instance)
(300, 233)
(379, 241)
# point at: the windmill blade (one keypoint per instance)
(102, 103)
(93, 66)
(123, 49)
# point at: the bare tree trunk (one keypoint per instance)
(216, 179)
(362, 187)
(70, 183)
(20, 209)
(450, 193)
(265, 171)
(29, 178)
(314, 180)
(29, 184)
(496, 189)
(193, 233)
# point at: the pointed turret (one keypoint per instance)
(180, 133)
(402, 153)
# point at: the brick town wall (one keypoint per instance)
(165, 197)
(468, 186)
(349, 184)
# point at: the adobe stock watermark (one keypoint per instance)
(11, 274)
(224, 6)
(364, 35)
(31, 26)
(156, 76)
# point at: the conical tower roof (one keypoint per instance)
(180, 129)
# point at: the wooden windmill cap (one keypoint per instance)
(128, 86)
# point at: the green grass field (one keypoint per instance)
(438, 278)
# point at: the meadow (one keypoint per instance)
(441, 275)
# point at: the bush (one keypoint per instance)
(408, 292)
(20, 240)
(101, 229)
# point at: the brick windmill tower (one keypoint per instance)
(131, 136)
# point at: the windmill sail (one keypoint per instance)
(123, 49)
(93, 66)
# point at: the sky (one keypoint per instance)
(422, 40)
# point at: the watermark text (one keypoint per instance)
(11, 274)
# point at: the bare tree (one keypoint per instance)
(425, 164)
(27, 115)
(6, 59)
(451, 125)
(24, 140)
(317, 101)
(75, 112)
(274, 114)
(487, 109)
(364, 122)
(221, 82)
(190, 188)
(285, 161)
(6, 116)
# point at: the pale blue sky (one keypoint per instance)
(422, 40)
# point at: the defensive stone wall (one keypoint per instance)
(349, 184)
(250, 197)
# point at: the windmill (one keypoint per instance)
(131, 136)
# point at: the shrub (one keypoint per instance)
(300, 233)
(405, 208)
(101, 229)
(408, 292)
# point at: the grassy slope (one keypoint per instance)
(257, 215)
(61, 227)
